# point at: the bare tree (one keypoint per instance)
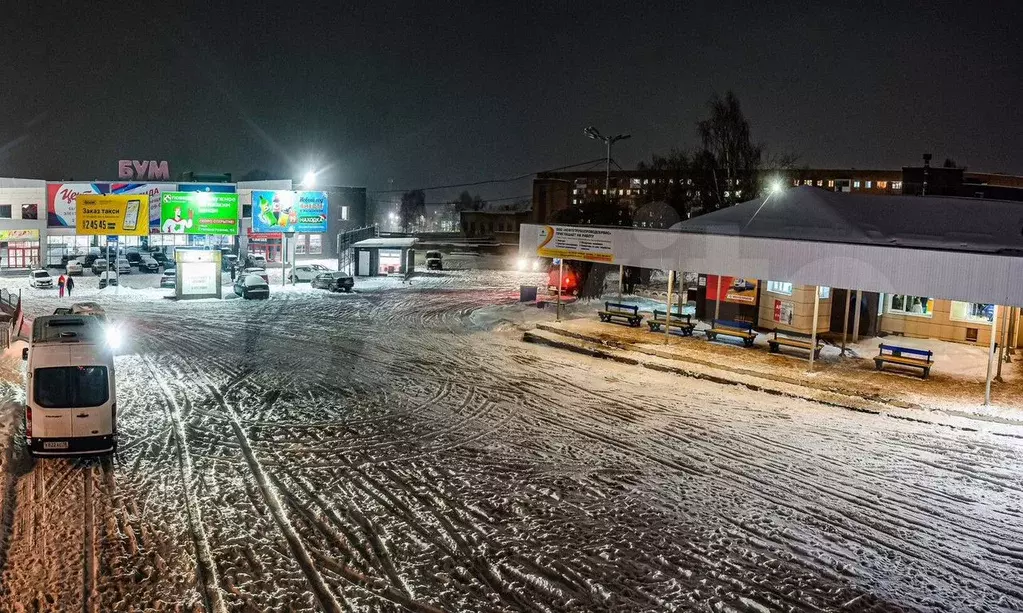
(732, 159)
(412, 211)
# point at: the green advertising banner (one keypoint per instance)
(198, 213)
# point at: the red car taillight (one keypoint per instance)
(28, 422)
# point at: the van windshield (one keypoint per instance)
(69, 387)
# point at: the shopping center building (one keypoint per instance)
(38, 220)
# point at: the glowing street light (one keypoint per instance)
(595, 134)
(309, 180)
(776, 186)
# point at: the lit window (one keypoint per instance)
(911, 305)
(807, 181)
(972, 312)
(868, 184)
(795, 182)
(831, 182)
(344, 213)
(738, 193)
(856, 184)
(896, 184)
(575, 191)
(689, 181)
(779, 287)
(824, 292)
(882, 184)
(820, 183)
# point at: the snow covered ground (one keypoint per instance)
(399, 449)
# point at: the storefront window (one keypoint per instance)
(300, 244)
(30, 211)
(911, 305)
(779, 287)
(972, 312)
(315, 244)
(5, 211)
(824, 292)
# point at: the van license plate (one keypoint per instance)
(55, 445)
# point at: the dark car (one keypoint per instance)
(434, 260)
(133, 256)
(161, 258)
(333, 281)
(251, 286)
(93, 255)
(148, 264)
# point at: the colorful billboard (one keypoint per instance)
(198, 213)
(29, 234)
(287, 211)
(733, 289)
(153, 190)
(114, 215)
(218, 188)
(61, 203)
(588, 245)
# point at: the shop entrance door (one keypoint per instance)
(18, 257)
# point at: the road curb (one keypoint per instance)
(606, 350)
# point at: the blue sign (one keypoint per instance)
(112, 240)
(288, 211)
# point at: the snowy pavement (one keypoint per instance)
(398, 449)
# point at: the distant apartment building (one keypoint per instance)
(636, 189)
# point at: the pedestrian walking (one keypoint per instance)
(60, 286)
(69, 285)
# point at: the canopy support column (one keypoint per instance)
(813, 324)
(990, 357)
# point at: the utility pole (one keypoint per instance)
(608, 140)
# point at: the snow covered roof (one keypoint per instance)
(387, 243)
(810, 214)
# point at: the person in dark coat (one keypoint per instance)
(69, 285)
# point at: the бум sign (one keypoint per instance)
(143, 170)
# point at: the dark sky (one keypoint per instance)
(411, 94)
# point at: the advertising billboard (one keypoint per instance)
(117, 215)
(588, 245)
(198, 213)
(153, 190)
(733, 289)
(289, 211)
(219, 188)
(61, 203)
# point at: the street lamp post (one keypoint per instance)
(608, 140)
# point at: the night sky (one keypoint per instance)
(413, 94)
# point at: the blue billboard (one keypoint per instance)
(304, 212)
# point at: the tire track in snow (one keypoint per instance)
(207, 575)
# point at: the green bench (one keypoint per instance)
(795, 340)
(660, 319)
(737, 329)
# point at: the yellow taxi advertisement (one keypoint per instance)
(123, 215)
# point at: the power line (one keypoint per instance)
(474, 183)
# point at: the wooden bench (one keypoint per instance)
(794, 340)
(661, 318)
(894, 354)
(627, 312)
(738, 329)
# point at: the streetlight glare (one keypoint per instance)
(776, 186)
(309, 180)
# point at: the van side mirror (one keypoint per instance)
(24, 354)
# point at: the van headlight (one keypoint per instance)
(522, 264)
(114, 337)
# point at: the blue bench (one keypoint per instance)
(738, 329)
(684, 323)
(894, 354)
(628, 312)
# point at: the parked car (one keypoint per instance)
(148, 264)
(251, 286)
(434, 260)
(90, 257)
(161, 257)
(73, 268)
(306, 272)
(107, 278)
(255, 260)
(123, 267)
(133, 256)
(333, 281)
(169, 278)
(98, 265)
(259, 272)
(40, 279)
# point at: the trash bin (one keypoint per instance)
(527, 293)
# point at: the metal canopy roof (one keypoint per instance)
(952, 248)
(387, 243)
(935, 222)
